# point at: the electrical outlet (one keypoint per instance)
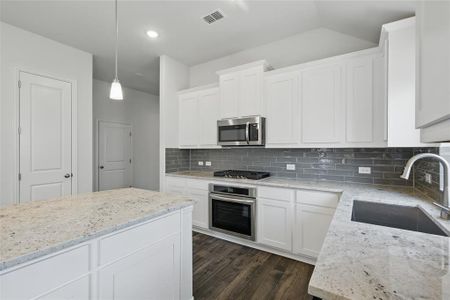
(200, 163)
(290, 167)
(364, 170)
(428, 178)
(208, 163)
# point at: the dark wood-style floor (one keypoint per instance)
(224, 270)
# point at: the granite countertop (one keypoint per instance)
(364, 261)
(35, 229)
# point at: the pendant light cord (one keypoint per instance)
(117, 39)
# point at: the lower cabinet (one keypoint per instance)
(152, 260)
(275, 217)
(150, 273)
(313, 214)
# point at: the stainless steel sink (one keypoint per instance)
(395, 216)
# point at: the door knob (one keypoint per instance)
(67, 175)
(101, 167)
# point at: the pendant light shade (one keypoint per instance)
(116, 88)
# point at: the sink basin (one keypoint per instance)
(395, 216)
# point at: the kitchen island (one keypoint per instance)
(121, 244)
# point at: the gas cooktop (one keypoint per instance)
(242, 174)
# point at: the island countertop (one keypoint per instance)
(35, 229)
(364, 261)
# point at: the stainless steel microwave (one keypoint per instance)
(248, 131)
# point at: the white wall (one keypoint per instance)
(173, 76)
(28, 51)
(141, 111)
(308, 46)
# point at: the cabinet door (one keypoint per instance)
(433, 66)
(311, 227)
(321, 103)
(151, 273)
(282, 110)
(229, 95)
(79, 289)
(275, 223)
(200, 212)
(208, 110)
(188, 121)
(250, 92)
(359, 99)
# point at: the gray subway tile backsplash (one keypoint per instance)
(337, 164)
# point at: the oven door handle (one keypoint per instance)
(247, 133)
(232, 199)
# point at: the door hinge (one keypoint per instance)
(20, 177)
(130, 133)
(19, 84)
(19, 130)
(130, 160)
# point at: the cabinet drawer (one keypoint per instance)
(318, 198)
(276, 194)
(126, 242)
(196, 184)
(44, 275)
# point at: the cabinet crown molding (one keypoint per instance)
(260, 63)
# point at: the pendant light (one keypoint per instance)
(116, 89)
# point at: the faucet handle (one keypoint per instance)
(445, 211)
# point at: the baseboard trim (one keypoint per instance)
(305, 259)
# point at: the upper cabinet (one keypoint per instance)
(198, 115)
(433, 70)
(241, 90)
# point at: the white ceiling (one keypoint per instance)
(89, 26)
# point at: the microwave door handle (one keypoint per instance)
(247, 133)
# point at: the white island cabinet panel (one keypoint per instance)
(47, 275)
(281, 92)
(321, 102)
(151, 273)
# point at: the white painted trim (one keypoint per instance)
(302, 258)
(207, 87)
(97, 154)
(74, 126)
(260, 63)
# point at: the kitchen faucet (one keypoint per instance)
(445, 209)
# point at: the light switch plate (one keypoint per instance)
(290, 167)
(428, 178)
(208, 163)
(200, 163)
(364, 170)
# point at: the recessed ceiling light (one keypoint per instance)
(152, 34)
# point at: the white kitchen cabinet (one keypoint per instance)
(198, 115)
(359, 100)
(196, 190)
(188, 121)
(433, 70)
(150, 273)
(282, 106)
(275, 217)
(313, 214)
(150, 260)
(321, 105)
(241, 90)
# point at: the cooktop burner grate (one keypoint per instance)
(241, 174)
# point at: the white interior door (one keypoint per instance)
(45, 117)
(114, 156)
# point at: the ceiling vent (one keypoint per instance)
(213, 17)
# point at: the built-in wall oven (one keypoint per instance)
(232, 210)
(248, 131)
